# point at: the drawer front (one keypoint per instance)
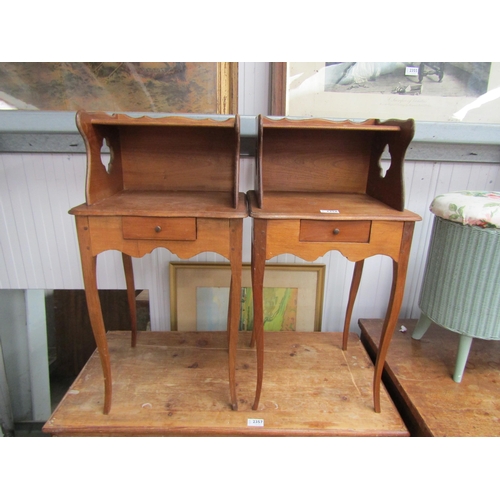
(159, 228)
(357, 231)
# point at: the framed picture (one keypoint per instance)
(163, 87)
(199, 295)
(425, 91)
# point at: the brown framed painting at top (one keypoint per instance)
(163, 87)
(425, 91)
(278, 88)
(199, 292)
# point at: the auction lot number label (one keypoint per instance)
(255, 422)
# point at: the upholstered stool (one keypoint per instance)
(461, 287)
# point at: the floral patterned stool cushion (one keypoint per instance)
(475, 208)
(461, 286)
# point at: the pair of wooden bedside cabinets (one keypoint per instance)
(172, 181)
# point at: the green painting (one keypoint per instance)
(280, 309)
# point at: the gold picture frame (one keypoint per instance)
(227, 88)
(164, 87)
(302, 284)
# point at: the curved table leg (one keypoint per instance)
(129, 279)
(258, 267)
(89, 269)
(398, 283)
(233, 317)
(356, 279)
(252, 339)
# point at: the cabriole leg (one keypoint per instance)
(233, 321)
(356, 279)
(398, 283)
(89, 269)
(129, 279)
(258, 266)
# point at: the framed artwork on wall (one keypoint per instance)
(163, 87)
(199, 293)
(466, 92)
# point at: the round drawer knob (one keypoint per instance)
(336, 230)
(157, 229)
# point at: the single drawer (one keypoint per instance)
(159, 228)
(356, 231)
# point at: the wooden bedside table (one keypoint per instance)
(320, 187)
(172, 182)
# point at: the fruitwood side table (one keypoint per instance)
(172, 182)
(320, 186)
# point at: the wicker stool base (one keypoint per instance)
(461, 287)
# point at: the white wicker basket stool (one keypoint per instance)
(461, 286)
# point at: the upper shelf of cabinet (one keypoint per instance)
(314, 155)
(102, 118)
(169, 153)
(373, 124)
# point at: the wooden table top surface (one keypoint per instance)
(328, 206)
(176, 383)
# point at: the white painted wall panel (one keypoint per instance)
(253, 88)
(38, 238)
(12, 271)
(38, 246)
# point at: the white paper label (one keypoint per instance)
(411, 70)
(330, 211)
(255, 422)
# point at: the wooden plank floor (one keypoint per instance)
(176, 384)
(419, 378)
